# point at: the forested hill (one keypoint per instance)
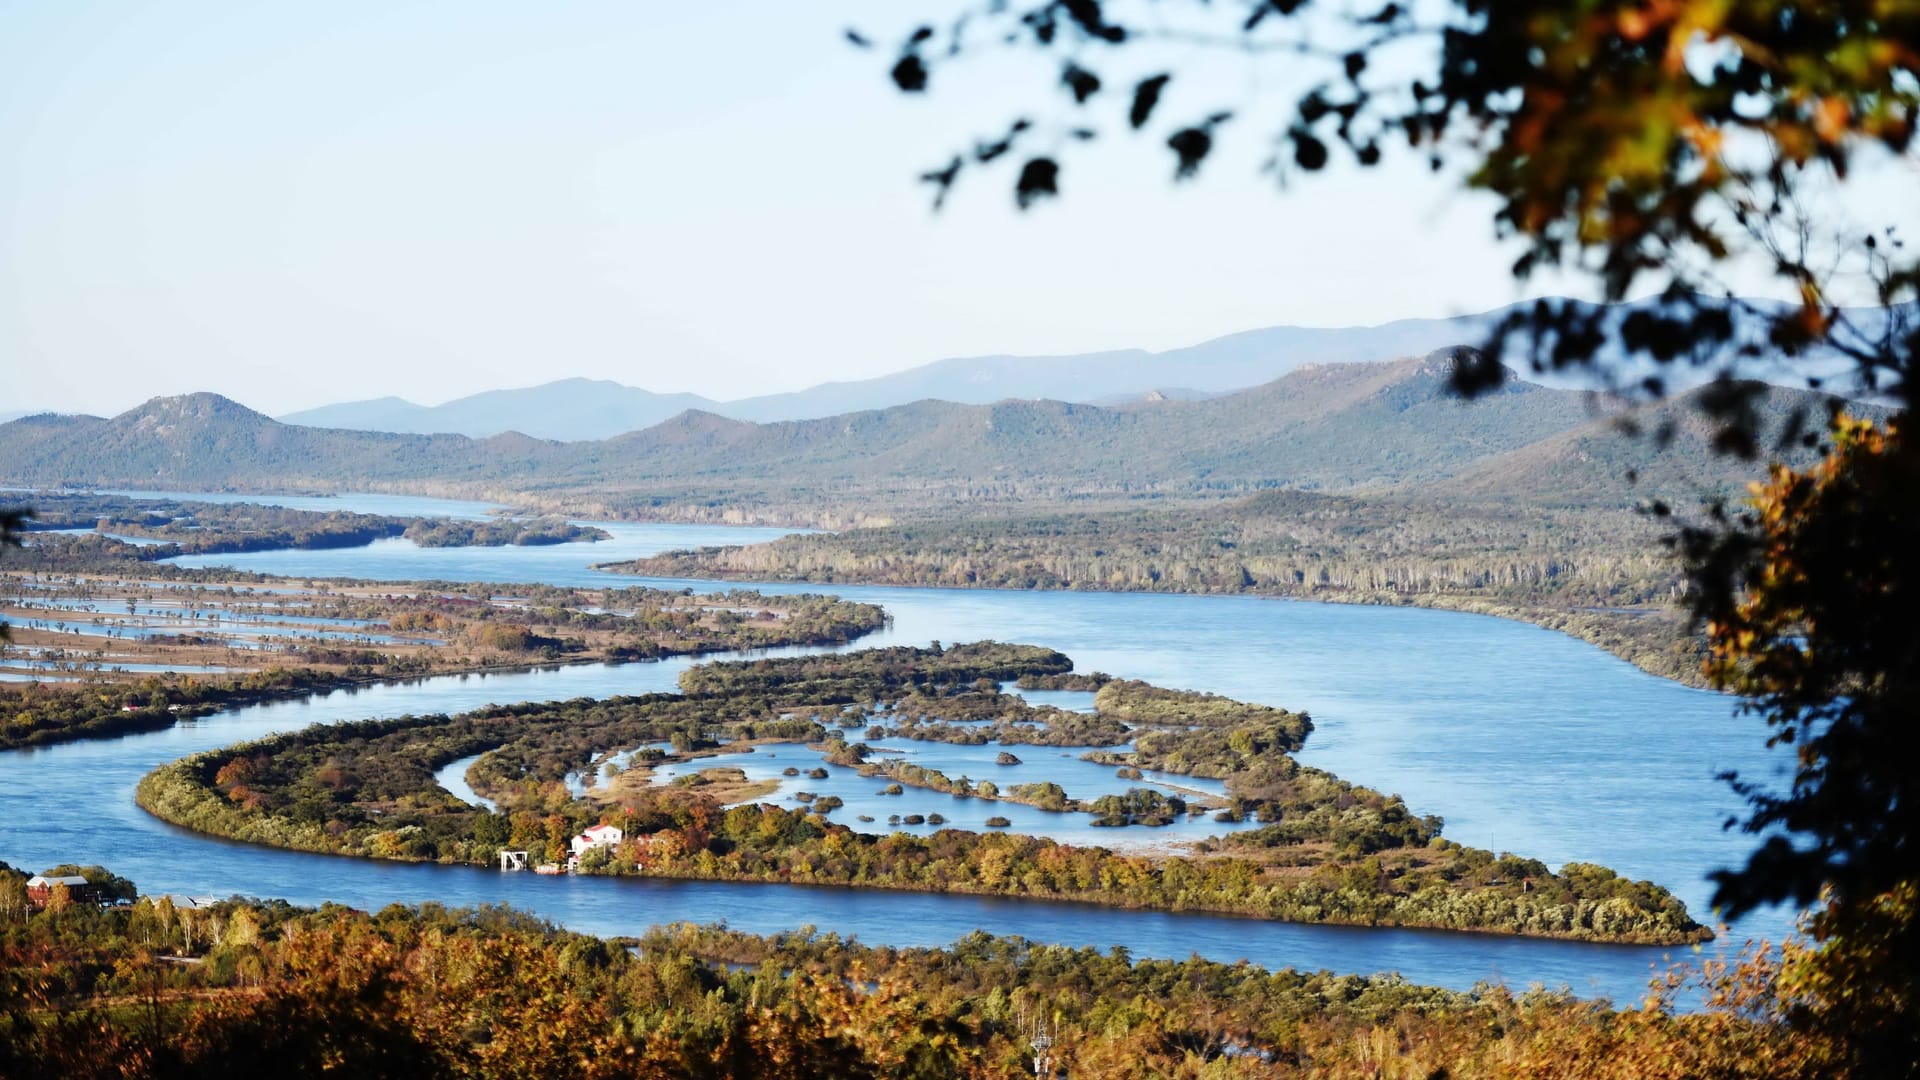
(573, 409)
(1332, 427)
(584, 409)
(1594, 465)
(207, 442)
(1338, 428)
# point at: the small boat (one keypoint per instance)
(548, 868)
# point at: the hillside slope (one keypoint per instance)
(207, 442)
(1596, 464)
(587, 409)
(1334, 428)
(584, 409)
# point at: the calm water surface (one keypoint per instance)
(1523, 739)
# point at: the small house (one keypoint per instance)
(79, 890)
(600, 836)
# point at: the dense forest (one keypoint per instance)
(245, 988)
(1334, 852)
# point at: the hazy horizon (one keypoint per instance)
(295, 208)
(723, 397)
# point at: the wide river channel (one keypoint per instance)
(1524, 740)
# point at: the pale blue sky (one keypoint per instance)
(297, 204)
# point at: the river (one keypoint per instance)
(1523, 739)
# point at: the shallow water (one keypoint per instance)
(400, 559)
(1056, 764)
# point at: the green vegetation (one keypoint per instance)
(981, 718)
(1337, 854)
(44, 713)
(521, 532)
(898, 668)
(1257, 729)
(1072, 680)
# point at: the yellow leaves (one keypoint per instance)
(1805, 521)
(1832, 117)
(1633, 23)
(1707, 142)
(1700, 21)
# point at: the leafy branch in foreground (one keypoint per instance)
(1810, 605)
(1643, 146)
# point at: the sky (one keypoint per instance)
(296, 204)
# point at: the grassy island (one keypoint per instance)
(190, 527)
(119, 655)
(1332, 852)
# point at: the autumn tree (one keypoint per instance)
(1808, 599)
(13, 897)
(1663, 151)
(1647, 147)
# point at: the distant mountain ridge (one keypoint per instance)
(1330, 427)
(587, 409)
(566, 409)
(584, 409)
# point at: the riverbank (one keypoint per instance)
(1349, 857)
(1652, 637)
(1599, 573)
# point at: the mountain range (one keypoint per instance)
(1373, 427)
(583, 409)
(563, 410)
(588, 409)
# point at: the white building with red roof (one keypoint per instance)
(600, 836)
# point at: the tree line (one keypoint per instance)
(245, 987)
